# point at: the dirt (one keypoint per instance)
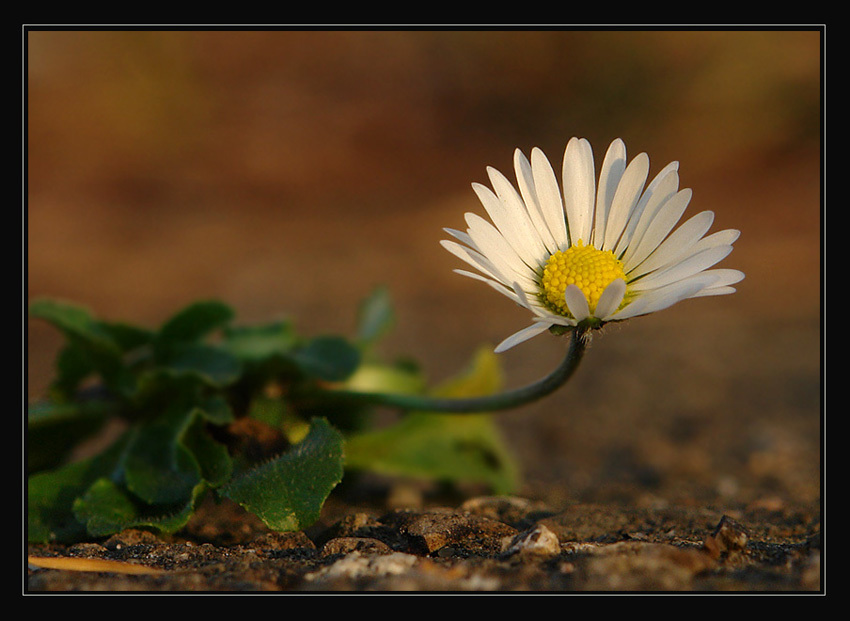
(485, 544)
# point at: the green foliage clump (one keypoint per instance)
(204, 406)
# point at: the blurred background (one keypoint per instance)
(287, 173)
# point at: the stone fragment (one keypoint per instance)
(537, 542)
(362, 526)
(428, 531)
(729, 537)
(347, 545)
(395, 572)
(518, 512)
(131, 537)
(355, 566)
(283, 541)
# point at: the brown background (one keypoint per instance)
(289, 172)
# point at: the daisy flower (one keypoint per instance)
(589, 253)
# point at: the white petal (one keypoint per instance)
(474, 258)
(509, 226)
(579, 178)
(515, 209)
(720, 238)
(680, 271)
(525, 181)
(679, 244)
(715, 240)
(726, 276)
(625, 199)
(609, 178)
(662, 223)
(662, 190)
(493, 283)
(576, 302)
(461, 236)
(538, 327)
(494, 246)
(662, 174)
(658, 299)
(549, 317)
(610, 299)
(723, 278)
(549, 196)
(523, 298)
(710, 291)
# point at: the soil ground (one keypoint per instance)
(483, 544)
(686, 455)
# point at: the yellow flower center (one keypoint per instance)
(589, 269)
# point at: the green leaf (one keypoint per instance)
(77, 320)
(216, 410)
(172, 454)
(47, 413)
(258, 343)
(328, 358)
(94, 345)
(456, 448)
(194, 323)
(212, 457)
(483, 377)
(128, 337)
(166, 464)
(53, 429)
(159, 468)
(382, 378)
(211, 364)
(459, 448)
(73, 320)
(73, 365)
(106, 509)
(375, 316)
(288, 492)
(51, 495)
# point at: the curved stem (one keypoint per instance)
(486, 403)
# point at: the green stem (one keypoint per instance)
(487, 403)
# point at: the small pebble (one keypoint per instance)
(728, 537)
(535, 542)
